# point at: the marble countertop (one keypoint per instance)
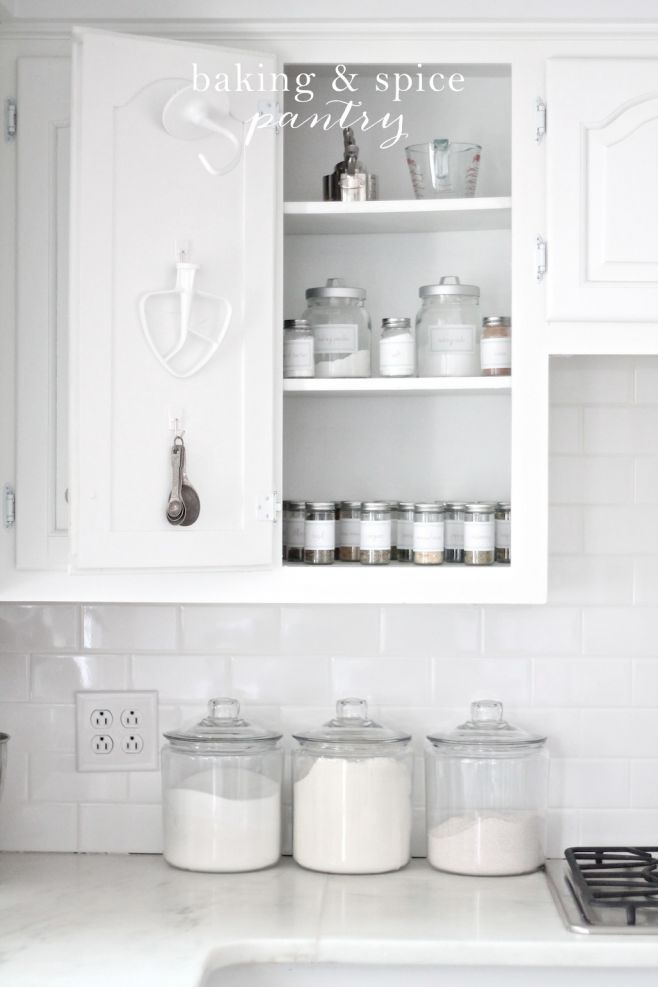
(105, 920)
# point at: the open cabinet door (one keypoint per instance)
(162, 173)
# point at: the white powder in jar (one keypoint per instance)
(488, 843)
(205, 830)
(353, 815)
(353, 365)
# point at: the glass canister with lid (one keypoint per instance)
(222, 793)
(486, 796)
(341, 329)
(503, 532)
(352, 794)
(447, 329)
(479, 533)
(375, 533)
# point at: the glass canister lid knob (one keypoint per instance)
(487, 711)
(353, 711)
(224, 708)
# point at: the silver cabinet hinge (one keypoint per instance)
(10, 120)
(540, 120)
(268, 507)
(270, 108)
(8, 505)
(541, 258)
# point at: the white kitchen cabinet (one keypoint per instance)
(602, 196)
(137, 191)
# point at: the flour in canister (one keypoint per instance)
(206, 830)
(488, 843)
(353, 815)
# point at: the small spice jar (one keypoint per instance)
(479, 534)
(294, 531)
(320, 533)
(298, 348)
(429, 532)
(395, 507)
(405, 538)
(454, 532)
(375, 533)
(349, 527)
(503, 532)
(496, 346)
(397, 349)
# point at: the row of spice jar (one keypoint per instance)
(485, 792)
(333, 337)
(379, 532)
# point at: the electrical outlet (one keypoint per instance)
(117, 731)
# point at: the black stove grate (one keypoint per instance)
(615, 877)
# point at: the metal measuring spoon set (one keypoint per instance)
(184, 505)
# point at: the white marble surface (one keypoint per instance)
(69, 920)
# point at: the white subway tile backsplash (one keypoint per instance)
(645, 585)
(30, 627)
(129, 628)
(645, 683)
(591, 580)
(181, 677)
(227, 630)
(127, 828)
(619, 733)
(565, 530)
(39, 827)
(646, 481)
(528, 631)
(34, 727)
(611, 631)
(591, 480)
(646, 381)
(571, 682)
(274, 681)
(561, 727)
(14, 678)
(54, 778)
(429, 631)
(403, 681)
(580, 783)
(565, 430)
(562, 831)
(644, 790)
(632, 530)
(624, 431)
(145, 787)
(459, 683)
(335, 630)
(592, 380)
(620, 827)
(56, 678)
(15, 785)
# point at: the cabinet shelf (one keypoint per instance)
(398, 216)
(384, 386)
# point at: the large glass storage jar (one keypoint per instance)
(222, 793)
(447, 329)
(352, 795)
(341, 329)
(486, 793)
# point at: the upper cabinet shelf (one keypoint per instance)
(404, 385)
(398, 216)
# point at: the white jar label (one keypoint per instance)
(454, 534)
(496, 354)
(295, 534)
(348, 532)
(336, 337)
(394, 531)
(479, 536)
(298, 357)
(375, 535)
(319, 534)
(428, 536)
(397, 356)
(503, 534)
(452, 338)
(405, 534)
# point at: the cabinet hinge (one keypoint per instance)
(541, 258)
(8, 505)
(270, 108)
(540, 120)
(11, 119)
(268, 507)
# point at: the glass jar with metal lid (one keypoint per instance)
(222, 793)
(486, 795)
(503, 532)
(447, 329)
(479, 533)
(395, 509)
(375, 533)
(298, 348)
(496, 346)
(397, 348)
(352, 794)
(320, 533)
(429, 533)
(405, 538)
(349, 529)
(294, 532)
(341, 329)
(454, 532)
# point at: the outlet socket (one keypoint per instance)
(117, 731)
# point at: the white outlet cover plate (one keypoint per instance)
(144, 703)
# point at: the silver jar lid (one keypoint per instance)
(350, 505)
(449, 285)
(454, 505)
(296, 324)
(336, 288)
(430, 506)
(503, 505)
(406, 505)
(480, 508)
(394, 323)
(296, 505)
(376, 505)
(497, 320)
(321, 505)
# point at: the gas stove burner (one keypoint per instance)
(608, 888)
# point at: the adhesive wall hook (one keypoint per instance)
(189, 115)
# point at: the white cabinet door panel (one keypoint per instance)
(43, 143)
(602, 193)
(139, 193)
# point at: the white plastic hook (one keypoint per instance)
(189, 115)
